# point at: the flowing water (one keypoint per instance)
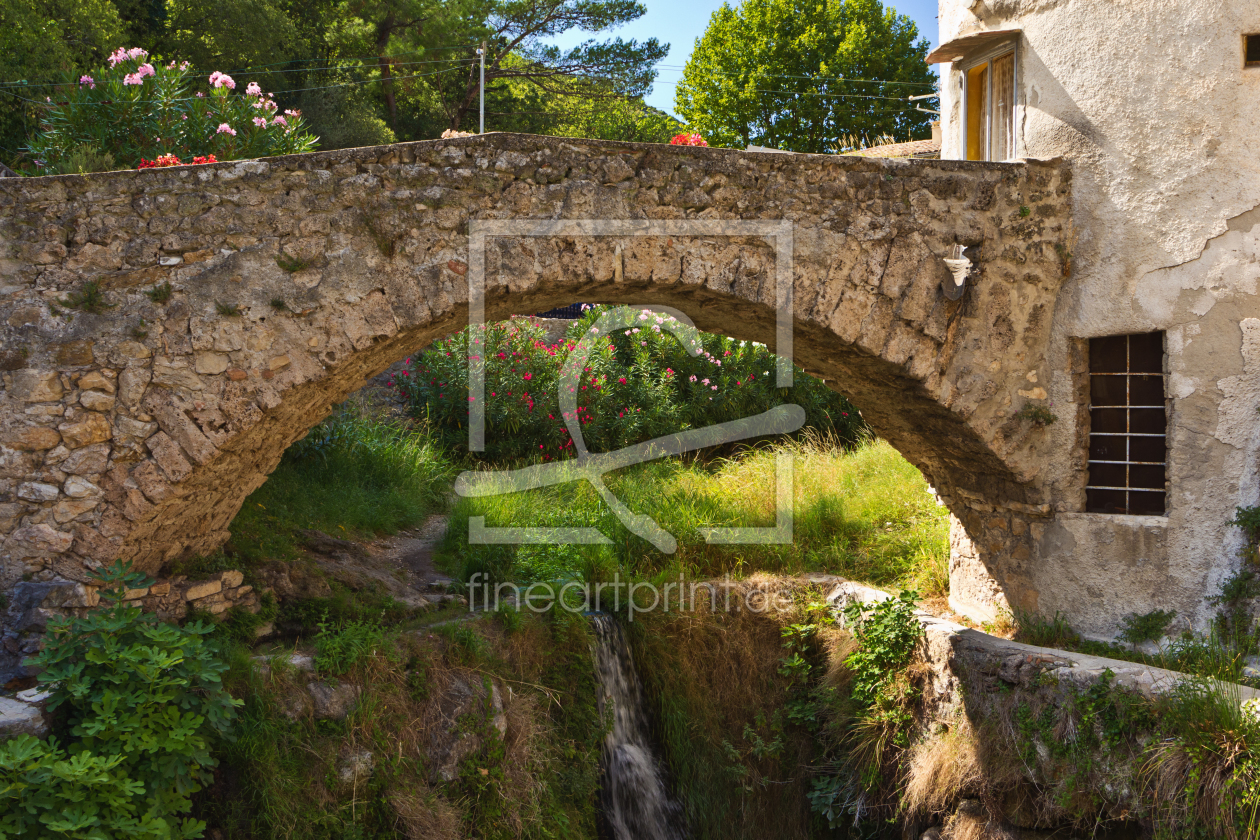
(636, 802)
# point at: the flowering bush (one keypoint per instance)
(172, 160)
(639, 384)
(136, 110)
(685, 139)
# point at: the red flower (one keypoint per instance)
(686, 139)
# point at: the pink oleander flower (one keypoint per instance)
(261, 122)
(220, 80)
(89, 81)
(292, 113)
(183, 65)
(117, 57)
(253, 89)
(200, 95)
(136, 52)
(270, 105)
(145, 70)
(279, 121)
(224, 128)
(133, 79)
(170, 66)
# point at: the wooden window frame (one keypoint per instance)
(987, 57)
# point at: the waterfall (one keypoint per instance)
(636, 802)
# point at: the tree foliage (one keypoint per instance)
(805, 75)
(362, 72)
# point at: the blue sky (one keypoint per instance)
(680, 22)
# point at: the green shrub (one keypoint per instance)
(124, 685)
(1148, 627)
(339, 650)
(639, 383)
(887, 632)
(46, 794)
(134, 110)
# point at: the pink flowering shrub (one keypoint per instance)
(639, 384)
(135, 109)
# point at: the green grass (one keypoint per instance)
(865, 514)
(350, 477)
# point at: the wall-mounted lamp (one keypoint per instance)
(960, 267)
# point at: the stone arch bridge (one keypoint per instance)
(138, 429)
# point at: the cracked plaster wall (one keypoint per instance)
(1151, 103)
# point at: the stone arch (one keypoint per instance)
(137, 430)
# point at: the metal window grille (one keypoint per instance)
(1128, 434)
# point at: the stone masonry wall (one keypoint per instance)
(135, 428)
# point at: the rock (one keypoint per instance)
(332, 702)
(169, 457)
(90, 460)
(231, 579)
(35, 439)
(35, 386)
(201, 590)
(176, 375)
(37, 541)
(19, 718)
(451, 741)
(355, 767)
(933, 833)
(35, 491)
(10, 513)
(96, 381)
(75, 354)
(94, 428)
(131, 385)
(96, 401)
(211, 363)
(321, 543)
(34, 696)
(130, 430)
(68, 510)
(77, 487)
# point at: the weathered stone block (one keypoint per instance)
(231, 578)
(34, 439)
(35, 386)
(96, 401)
(201, 590)
(97, 381)
(37, 541)
(34, 491)
(75, 354)
(94, 428)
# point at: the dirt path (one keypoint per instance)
(413, 551)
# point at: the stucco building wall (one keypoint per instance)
(1152, 104)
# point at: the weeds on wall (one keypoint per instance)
(90, 297)
(161, 293)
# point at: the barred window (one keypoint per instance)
(1128, 446)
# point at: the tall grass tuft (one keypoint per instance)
(866, 514)
(351, 476)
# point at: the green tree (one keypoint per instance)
(804, 75)
(518, 32)
(40, 42)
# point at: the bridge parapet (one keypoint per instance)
(135, 416)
